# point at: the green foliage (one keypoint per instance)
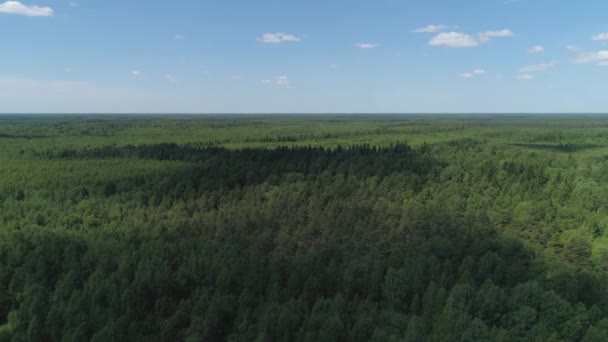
(303, 228)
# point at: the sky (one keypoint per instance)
(313, 56)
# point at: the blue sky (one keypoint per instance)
(405, 56)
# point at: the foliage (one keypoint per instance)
(303, 228)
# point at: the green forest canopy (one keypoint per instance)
(309, 228)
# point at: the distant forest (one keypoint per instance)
(304, 228)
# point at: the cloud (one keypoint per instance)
(273, 38)
(366, 45)
(136, 73)
(282, 80)
(16, 7)
(279, 81)
(539, 67)
(430, 29)
(463, 40)
(170, 78)
(591, 57)
(454, 40)
(583, 57)
(73, 4)
(573, 48)
(179, 37)
(236, 77)
(536, 49)
(476, 72)
(525, 77)
(488, 35)
(601, 36)
(67, 69)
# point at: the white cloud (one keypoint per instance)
(573, 48)
(136, 73)
(73, 4)
(282, 80)
(486, 36)
(476, 72)
(591, 57)
(16, 7)
(279, 81)
(539, 67)
(366, 45)
(279, 37)
(601, 36)
(462, 40)
(525, 77)
(67, 69)
(179, 37)
(599, 57)
(536, 49)
(170, 78)
(454, 40)
(430, 29)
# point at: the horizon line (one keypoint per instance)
(301, 113)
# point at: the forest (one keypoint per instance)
(304, 228)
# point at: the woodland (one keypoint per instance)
(304, 228)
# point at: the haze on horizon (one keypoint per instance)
(191, 56)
